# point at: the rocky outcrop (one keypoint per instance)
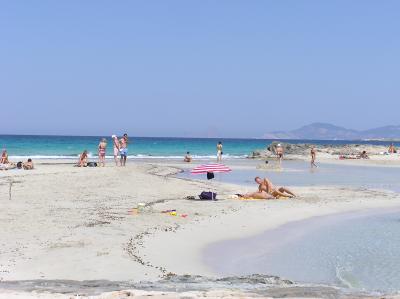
(303, 149)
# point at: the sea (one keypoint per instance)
(69, 147)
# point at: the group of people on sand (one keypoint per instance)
(313, 152)
(188, 158)
(5, 163)
(266, 190)
(120, 150)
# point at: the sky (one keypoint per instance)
(197, 68)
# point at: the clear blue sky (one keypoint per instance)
(181, 68)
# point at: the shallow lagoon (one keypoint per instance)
(299, 173)
(354, 250)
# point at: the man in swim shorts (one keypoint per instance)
(123, 149)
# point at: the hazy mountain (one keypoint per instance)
(325, 131)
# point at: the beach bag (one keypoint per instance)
(92, 164)
(210, 175)
(208, 196)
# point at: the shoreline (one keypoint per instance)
(147, 246)
(281, 213)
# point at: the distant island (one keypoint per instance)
(324, 131)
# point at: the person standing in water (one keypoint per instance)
(102, 152)
(279, 153)
(116, 149)
(123, 149)
(219, 151)
(313, 156)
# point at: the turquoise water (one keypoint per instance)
(71, 146)
(357, 250)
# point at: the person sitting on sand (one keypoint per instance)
(5, 164)
(268, 191)
(188, 157)
(102, 152)
(82, 162)
(363, 155)
(392, 149)
(4, 158)
(28, 165)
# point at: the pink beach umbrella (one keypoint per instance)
(210, 168)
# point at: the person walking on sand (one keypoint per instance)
(219, 151)
(313, 156)
(102, 152)
(123, 149)
(116, 149)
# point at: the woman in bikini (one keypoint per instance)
(4, 158)
(102, 152)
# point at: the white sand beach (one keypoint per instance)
(65, 223)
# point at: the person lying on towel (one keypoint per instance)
(266, 190)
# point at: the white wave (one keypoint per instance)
(42, 157)
(139, 156)
(346, 277)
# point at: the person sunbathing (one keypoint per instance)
(28, 165)
(363, 155)
(266, 190)
(188, 158)
(5, 164)
(82, 162)
(392, 149)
